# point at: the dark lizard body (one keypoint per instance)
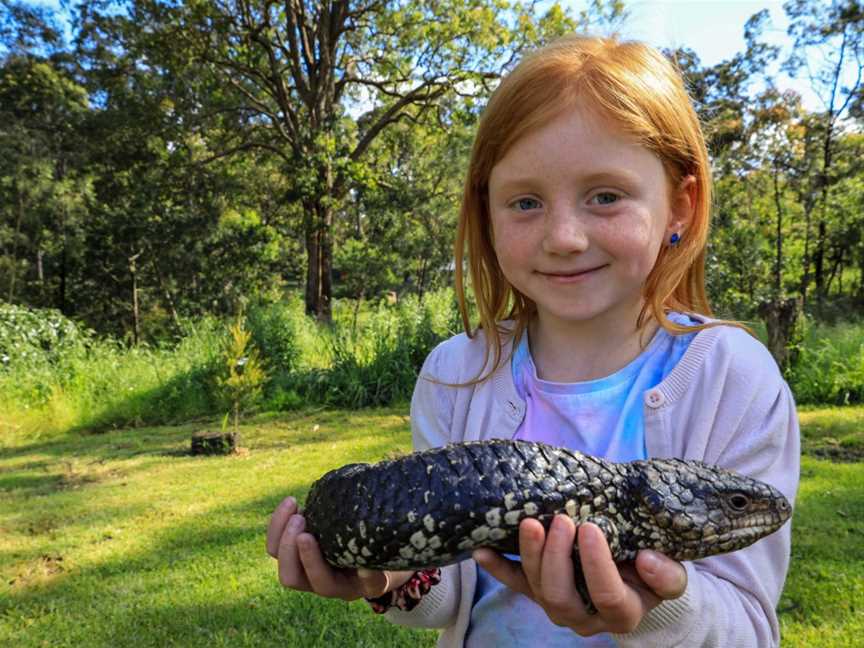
(433, 508)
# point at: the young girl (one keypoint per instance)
(585, 218)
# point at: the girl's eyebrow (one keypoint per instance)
(604, 175)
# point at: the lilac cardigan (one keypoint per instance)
(724, 403)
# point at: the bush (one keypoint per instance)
(36, 336)
(107, 384)
(829, 365)
(274, 330)
(377, 363)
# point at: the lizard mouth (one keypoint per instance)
(738, 537)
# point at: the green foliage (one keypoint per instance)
(35, 336)
(108, 384)
(829, 365)
(369, 356)
(243, 371)
(376, 361)
(276, 331)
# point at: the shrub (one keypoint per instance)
(829, 365)
(274, 330)
(35, 336)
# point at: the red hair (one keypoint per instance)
(634, 87)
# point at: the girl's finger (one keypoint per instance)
(532, 538)
(556, 572)
(507, 571)
(323, 578)
(616, 603)
(667, 578)
(278, 521)
(291, 572)
(373, 583)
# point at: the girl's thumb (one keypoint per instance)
(373, 583)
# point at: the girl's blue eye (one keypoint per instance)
(521, 203)
(605, 198)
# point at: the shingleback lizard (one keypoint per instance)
(432, 508)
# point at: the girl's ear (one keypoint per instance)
(683, 206)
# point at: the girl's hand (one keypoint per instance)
(622, 594)
(303, 568)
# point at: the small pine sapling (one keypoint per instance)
(246, 375)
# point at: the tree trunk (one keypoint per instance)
(18, 218)
(819, 264)
(313, 284)
(836, 271)
(778, 263)
(136, 318)
(214, 443)
(780, 316)
(169, 299)
(805, 276)
(325, 310)
(319, 250)
(61, 291)
(861, 277)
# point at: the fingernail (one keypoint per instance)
(288, 502)
(650, 561)
(295, 523)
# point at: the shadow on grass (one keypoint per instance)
(294, 429)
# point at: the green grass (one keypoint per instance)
(122, 539)
(834, 432)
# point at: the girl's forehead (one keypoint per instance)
(578, 114)
(575, 134)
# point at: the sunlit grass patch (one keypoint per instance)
(823, 601)
(833, 432)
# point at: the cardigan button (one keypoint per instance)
(654, 398)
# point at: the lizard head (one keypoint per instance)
(689, 509)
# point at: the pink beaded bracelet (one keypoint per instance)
(408, 595)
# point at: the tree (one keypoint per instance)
(42, 183)
(289, 74)
(829, 49)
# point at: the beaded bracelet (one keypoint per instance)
(408, 595)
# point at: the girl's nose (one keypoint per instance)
(565, 233)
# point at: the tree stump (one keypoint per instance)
(214, 443)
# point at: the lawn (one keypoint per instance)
(122, 539)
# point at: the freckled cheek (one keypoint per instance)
(513, 248)
(631, 246)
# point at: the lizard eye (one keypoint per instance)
(739, 502)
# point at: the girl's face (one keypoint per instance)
(579, 212)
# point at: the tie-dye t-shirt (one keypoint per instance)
(601, 417)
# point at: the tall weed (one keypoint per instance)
(375, 359)
(369, 356)
(104, 384)
(829, 364)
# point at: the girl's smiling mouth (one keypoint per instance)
(570, 276)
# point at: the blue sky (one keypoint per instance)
(714, 29)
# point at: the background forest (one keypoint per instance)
(166, 166)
